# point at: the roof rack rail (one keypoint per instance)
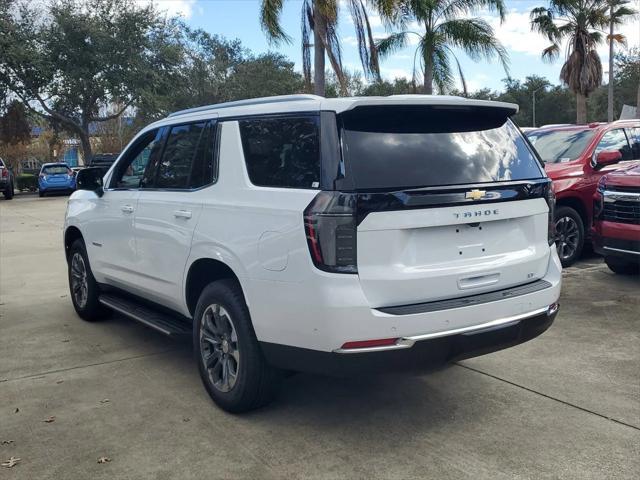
(251, 101)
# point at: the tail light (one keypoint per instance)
(551, 203)
(330, 226)
(5, 172)
(42, 175)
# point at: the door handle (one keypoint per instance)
(182, 214)
(127, 209)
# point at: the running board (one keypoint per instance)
(163, 323)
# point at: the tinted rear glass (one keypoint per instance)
(55, 169)
(410, 147)
(555, 146)
(282, 152)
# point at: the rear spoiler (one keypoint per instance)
(435, 101)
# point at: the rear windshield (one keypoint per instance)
(417, 146)
(555, 146)
(55, 169)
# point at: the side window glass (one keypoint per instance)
(205, 162)
(174, 169)
(130, 170)
(615, 140)
(634, 139)
(282, 152)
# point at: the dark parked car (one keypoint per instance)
(7, 184)
(575, 157)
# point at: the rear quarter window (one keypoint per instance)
(282, 152)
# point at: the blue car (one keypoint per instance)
(56, 177)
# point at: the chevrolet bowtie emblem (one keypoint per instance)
(475, 194)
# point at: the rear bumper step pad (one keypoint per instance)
(467, 301)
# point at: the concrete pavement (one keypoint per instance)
(566, 405)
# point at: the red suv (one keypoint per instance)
(576, 157)
(616, 227)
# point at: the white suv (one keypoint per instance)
(335, 236)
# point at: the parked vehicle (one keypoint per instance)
(7, 183)
(56, 177)
(332, 236)
(617, 220)
(576, 157)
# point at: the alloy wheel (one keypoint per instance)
(219, 347)
(567, 237)
(79, 281)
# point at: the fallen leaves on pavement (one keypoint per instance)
(104, 460)
(12, 462)
(106, 400)
(51, 419)
(7, 442)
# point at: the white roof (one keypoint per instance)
(311, 103)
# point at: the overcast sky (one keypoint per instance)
(240, 19)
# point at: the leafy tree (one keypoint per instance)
(400, 86)
(262, 76)
(14, 126)
(618, 11)
(320, 19)
(70, 63)
(441, 28)
(581, 22)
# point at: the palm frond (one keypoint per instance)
(366, 43)
(463, 80)
(334, 52)
(392, 43)
(456, 8)
(270, 12)
(476, 37)
(551, 53)
(442, 74)
(618, 38)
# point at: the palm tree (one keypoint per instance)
(441, 27)
(582, 23)
(618, 10)
(320, 19)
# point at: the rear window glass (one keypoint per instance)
(556, 146)
(411, 147)
(55, 169)
(282, 152)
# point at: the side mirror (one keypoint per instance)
(606, 157)
(90, 179)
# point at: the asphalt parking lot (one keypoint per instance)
(566, 405)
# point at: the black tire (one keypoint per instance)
(621, 266)
(40, 193)
(256, 382)
(90, 309)
(569, 235)
(8, 193)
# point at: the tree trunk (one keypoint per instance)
(610, 94)
(318, 54)
(581, 109)
(428, 76)
(87, 154)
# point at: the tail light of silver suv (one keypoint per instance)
(331, 229)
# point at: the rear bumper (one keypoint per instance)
(4, 183)
(414, 354)
(333, 310)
